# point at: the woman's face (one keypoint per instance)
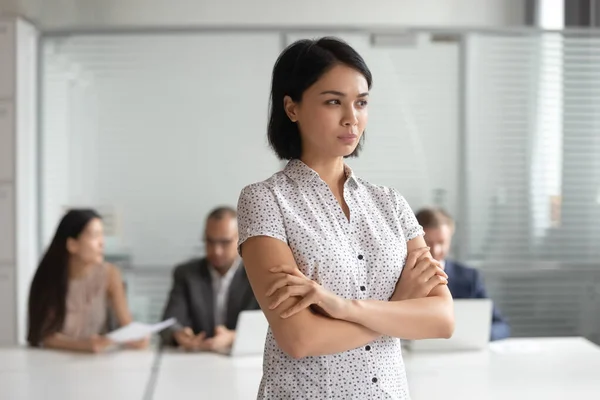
(89, 246)
(332, 114)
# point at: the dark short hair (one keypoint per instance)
(431, 218)
(298, 67)
(221, 212)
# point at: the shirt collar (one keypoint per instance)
(302, 174)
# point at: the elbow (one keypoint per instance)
(293, 348)
(445, 325)
(293, 345)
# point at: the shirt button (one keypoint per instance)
(360, 257)
(374, 380)
(362, 288)
(367, 347)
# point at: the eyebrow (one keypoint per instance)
(336, 93)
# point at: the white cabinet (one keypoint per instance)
(7, 66)
(7, 147)
(7, 306)
(7, 224)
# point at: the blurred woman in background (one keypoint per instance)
(73, 289)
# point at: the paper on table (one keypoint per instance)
(137, 331)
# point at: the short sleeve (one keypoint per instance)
(259, 214)
(408, 221)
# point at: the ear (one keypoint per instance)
(290, 108)
(72, 245)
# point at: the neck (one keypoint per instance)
(223, 270)
(78, 268)
(331, 170)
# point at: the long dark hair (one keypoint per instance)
(48, 293)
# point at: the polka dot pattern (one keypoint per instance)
(360, 258)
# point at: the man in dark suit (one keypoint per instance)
(208, 294)
(463, 282)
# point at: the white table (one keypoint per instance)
(512, 369)
(546, 369)
(557, 368)
(208, 376)
(51, 375)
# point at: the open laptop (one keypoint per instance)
(472, 328)
(250, 334)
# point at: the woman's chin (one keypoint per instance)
(347, 151)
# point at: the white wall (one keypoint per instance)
(159, 128)
(27, 168)
(163, 151)
(8, 261)
(412, 141)
(61, 14)
(55, 145)
(18, 174)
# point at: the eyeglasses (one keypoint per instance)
(218, 242)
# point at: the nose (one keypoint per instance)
(350, 118)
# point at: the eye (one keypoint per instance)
(333, 102)
(362, 103)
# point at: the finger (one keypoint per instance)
(287, 292)
(196, 343)
(436, 281)
(287, 280)
(200, 336)
(190, 345)
(185, 342)
(433, 269)
(188, 331)
(301, 305)
(219, 329)
(207, 344)
(287, 269)
(425, 263)
(413, 256)
(440, 271)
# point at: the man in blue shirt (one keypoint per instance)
(463, 282)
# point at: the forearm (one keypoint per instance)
(62, 342)
(424, 318)
(321, 335)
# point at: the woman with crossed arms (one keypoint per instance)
(324, 250)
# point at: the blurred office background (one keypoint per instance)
(155, 111)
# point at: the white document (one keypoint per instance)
(138, 330)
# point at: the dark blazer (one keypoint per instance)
(191, 299)
(466, 283)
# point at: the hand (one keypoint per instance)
(421, 273)
(138, 344)
(187, 340)
(97, 343)
(293, 283)
(223, 339)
